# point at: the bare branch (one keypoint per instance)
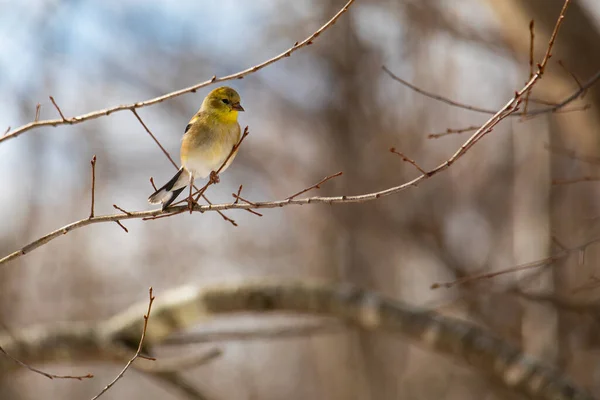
(587, 178)
(122, 226)
(238, 75)
(531, 47)
(450, 131)
(137, 353)
(93, 162)
(315, 186)
(530, 265)
(64, 120)
(46, 374)
(38, 106)
(409, 160)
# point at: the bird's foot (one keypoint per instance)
(214, 178)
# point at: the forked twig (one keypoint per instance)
(137, 353)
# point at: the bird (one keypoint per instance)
(208, 140)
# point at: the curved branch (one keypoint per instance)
(238, 75)
(529, 113)
(487, 127)
(186, 306)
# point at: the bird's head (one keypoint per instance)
(223, 101)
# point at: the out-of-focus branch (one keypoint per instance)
(186, 306)
(563, 253)
(267, 333)
(530, 113)
(238, 75)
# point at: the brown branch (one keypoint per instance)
(508, 109)
(572, 76)
(225, 217)
(38, 106)
(548, 110)
(238, 75)
(504, 112)
(580, 179)
(137, 353)
(561, 17)
(409, 160)
(238, 197)
(180, 363)
(315, 186)
(165, 152)
(522, 267)
(152, 183)
(531, 46)
(57, 109)
(122, 226)
(46, 374)
(93, 162)
(450, 131)
(120, 209)
(572, 154)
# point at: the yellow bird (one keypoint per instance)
(208, 140)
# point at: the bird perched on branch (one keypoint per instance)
(209, 139)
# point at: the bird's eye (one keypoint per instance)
(225, 101)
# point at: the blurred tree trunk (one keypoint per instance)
(573, 207)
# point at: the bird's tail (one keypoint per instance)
(169, 192)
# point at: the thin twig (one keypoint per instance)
(572, 154)
(46, 374)
(560, 62)
(37, 112)
(57, 109)
(522, 267)
(409, 160)
(531, 46)
(137, 353)
(122, 226)
(580, 179)
(120, 209)
(548, 110)
(6, 131)
(450, 131)
(93, 162)
(165, 215)
(315, 186)
(225, 217)
(238, 197)
(238, 75)
(152, 183)
(165, 152)
(238, 194)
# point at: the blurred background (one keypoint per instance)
(328, 108)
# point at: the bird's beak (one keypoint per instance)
(237, 107)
